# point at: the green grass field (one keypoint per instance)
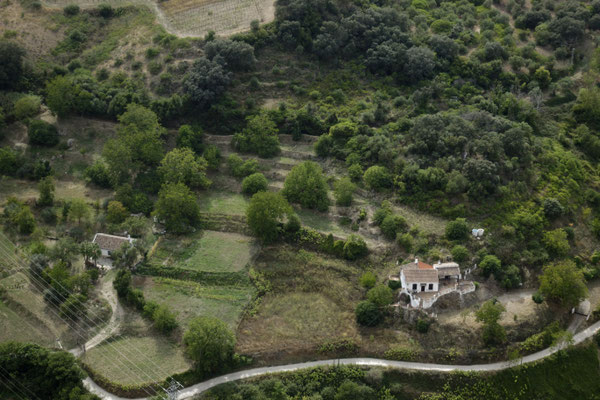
(223, 203)
(189, 299)
(321, 222)
(144, 353)
(206, 251)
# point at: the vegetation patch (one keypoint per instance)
(166, 359)
(223, 203)
(190, 299)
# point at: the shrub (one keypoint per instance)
(70, 10)
(391, 225)
(210, 344)
(42, 133)
(538, 298)
(459, 253)
(212, 155)
(423, 325)
(306, 185)
(490, 265)
(255, 183)
(105, 10)
(27, 107)
(238, 168)
(377, 178)
(457, 229)
(135, 298)
(343, 192)
(368, 280)
(556, 243)
(367, 313)
(354, 247)
(355, 172)
(381, 296)
(293, 224)
(164, 319)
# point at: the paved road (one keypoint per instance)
(416, 366)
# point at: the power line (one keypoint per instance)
(41, 282)
(127, 368)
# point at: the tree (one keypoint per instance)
(42, 133)
(381, 296)
(490, 265)
(265, 213)
(64, 250)
(457, 229)
(78, 210)
(306, 185)
(353, 391)
(46, 374)
(259, 136)
(552, 208)
(343, 191)
(238, 55)
(9, 162)
(90, 251)
(74, 308)
(563, 283)
(46, 189)
(489, 313)
(138, 144)
(122, 282)
(459, 253)
(182, 166)
(116, 212)
(543, 77)
(206, 81)
(255, 183)
(210, 344)
(60, 96)
(164, 319)
(556, 243)
(367, 313)
(420, 63)
(377, 178)
(190, 137)
(391, 225)
(27, 107)
(177, 208)
(11, 64)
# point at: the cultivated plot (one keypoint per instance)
(208, 251)
(190, 299)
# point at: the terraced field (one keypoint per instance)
(194, 18)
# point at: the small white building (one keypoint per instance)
(109, 243)
(447, 271)
(420, 280)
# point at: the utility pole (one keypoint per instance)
(173, 390)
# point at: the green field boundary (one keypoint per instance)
(239, 278)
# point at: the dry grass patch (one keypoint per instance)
(137, 360)
(14, 328)
(223, 203)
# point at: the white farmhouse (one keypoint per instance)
(109, 243)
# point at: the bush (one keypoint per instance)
(164, 319)
(368, 280)
(538, 298)
(210, 344)
(70, 10)
(457, 229)
(423, 325)
(391, 225)
(293, 224)
(490, 265)
(377, 178)
(255, 183)
(42, 133)
(367, 313)
(354, 247)
(381, 296)
(355, 172)
(27, 107)
(459, 253)
(238, 168)
(306, 185)
(212, 155)
(344, 189)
